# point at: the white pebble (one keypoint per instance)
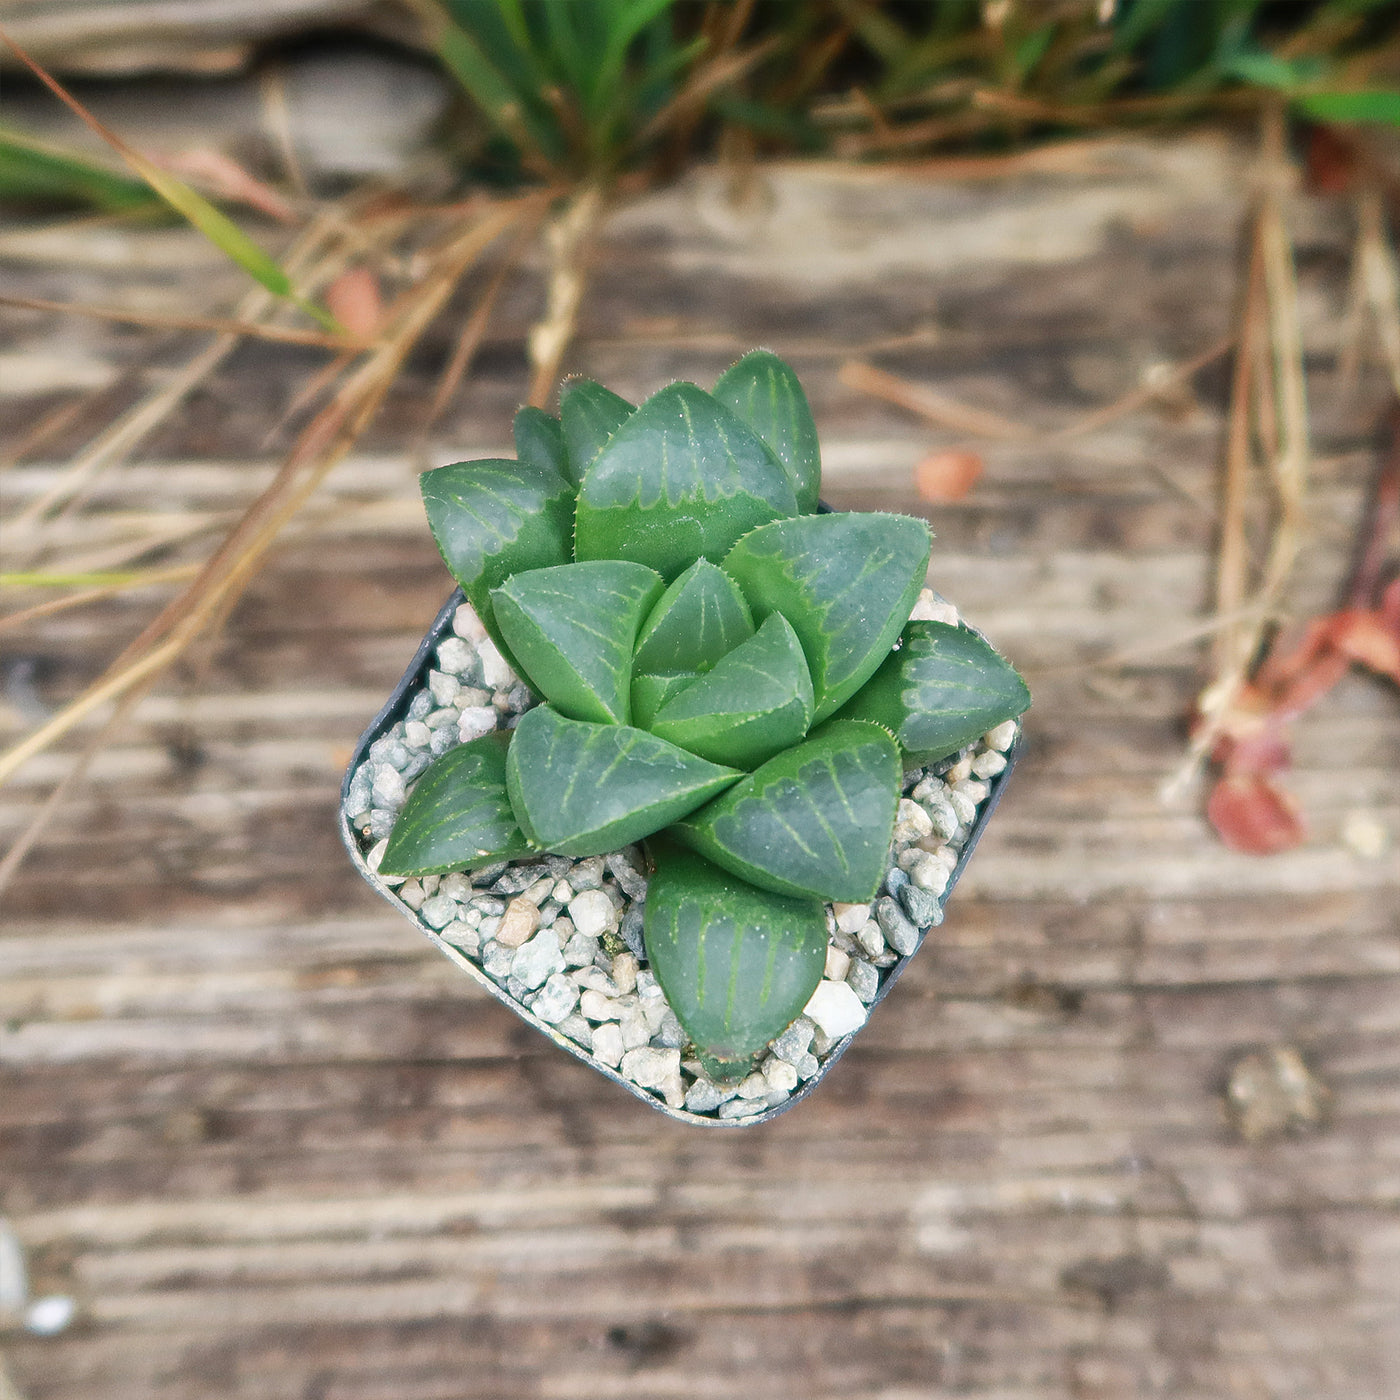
(474, 722)
(597, 1007)
(849, 917)
(1002, 737)
(781, 1076)
(494, 671)
(964, 808)
(456, 886)
(871, 939)
(656, 1069)
(443, 687)
(607, 1042)
(388, 786)
(836, 1009)
(911, 822)
(455, 656)
(624, 972)
(960, 772)
(412, 894)
(438, 911)
(754, 1086)
(417, 735)
(47, 1317)
(465, 623)
(636, 1032)
(988, 764)
(592, 912)
(837, 964)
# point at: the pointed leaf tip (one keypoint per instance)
(737, 963)
(766, 394)
(583, 789)
(681, 478)
(814, 821)
(458, 815)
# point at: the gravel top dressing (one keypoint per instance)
(561, 939)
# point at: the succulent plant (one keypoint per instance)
(726, 673)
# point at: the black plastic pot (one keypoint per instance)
(395, 708)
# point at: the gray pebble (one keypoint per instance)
(487, 875)
(556, 1000)
(627, 874)
(671, 1034)
(863, 979)
(358, 794)
(381, 823)
(442, 740)
(496, 961)
(741, 1108)
(576, 1028)
(538, 959)
(807, 1066)
(439, 911)
(793, 1042)
(923, 908)
(442, 719)
(587, 874)
(580, 950)
(415, 766)
(901, 935)
(419, 705)
(549, 912)
(518, 879)
(631, 929)
(704, 1096)
(895, 880)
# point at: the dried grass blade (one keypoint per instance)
(937, 408)
(216, 226)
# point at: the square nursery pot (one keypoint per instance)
(547, 981)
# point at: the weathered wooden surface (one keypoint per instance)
(278, 1148)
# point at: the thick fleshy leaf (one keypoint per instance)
(458, 814)
(589, 415)
(737, 964)
(940, 690)
(765, 393)
(680, 479)
(573, 627)
(492, 519)
(583, 789)
(650, 693)
(539, 440)
(756, 702)
(699, 618)
(846, 582)
(816, 820)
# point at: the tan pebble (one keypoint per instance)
(518, 923)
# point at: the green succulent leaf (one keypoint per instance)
(583, 789)
(680, 479)
(699, 618)
(650, 693)
(589, 415)
(765, 393)
(458, 814)
(756, 702)
(940, 690)
(814, 821)
(539, 440)
(573, 627)
(737, 964)
(846, 582)
(492, 519)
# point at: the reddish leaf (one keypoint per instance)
(948, 475)
(1364, 638)
(1254, 816)
(1332, 161)
(353, 299)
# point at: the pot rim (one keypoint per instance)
(393, 710)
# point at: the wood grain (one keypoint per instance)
(276, 1147)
